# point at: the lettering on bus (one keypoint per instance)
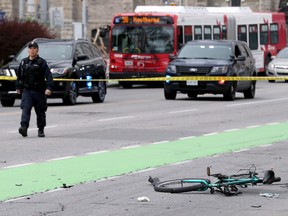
(143, 20)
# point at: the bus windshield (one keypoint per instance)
(142, 39)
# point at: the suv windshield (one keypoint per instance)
(205, 51)
(50, 52)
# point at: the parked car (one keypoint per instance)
(67, 59)
(279, 65)
(211, 58)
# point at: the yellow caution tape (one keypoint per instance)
(176, 78)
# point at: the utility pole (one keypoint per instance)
(21, 9)
(84, 17)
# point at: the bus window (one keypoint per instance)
(224, 32)
(253, 37)
(263, 34)
(197, 33)
(207, 33)
(242, 33)
(188, 33)
(179, 37)
(274, 33)
(216, 32)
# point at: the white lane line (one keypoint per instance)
(231, 130)
(97, 152)
(273, 123)
(182, 111)
(54, 190)
(181, 162)
(60, 158)
(117, 118)
(33, 129)
(256, 102)
(18, 165)
(129, 147)
(267, 145)
(210, 134)
(241, 150)
(156, 143)
(184, 138)
(146, 170)
(16, 199)
(253, 126)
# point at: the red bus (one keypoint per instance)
(141, 42)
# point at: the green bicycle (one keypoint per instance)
(225, 184)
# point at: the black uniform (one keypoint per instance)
(33, 78)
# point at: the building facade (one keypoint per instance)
(74, 18)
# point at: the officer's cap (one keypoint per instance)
(33, 44)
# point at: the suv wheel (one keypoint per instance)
(231, 93)
(192, 95)
(8, 102)
(71, 97)
(99, 96)
(250, 92)
(170, 95)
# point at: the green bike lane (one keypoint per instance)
(49, 175)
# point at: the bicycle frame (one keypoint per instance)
(227, 185)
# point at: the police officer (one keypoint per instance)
(35, 82)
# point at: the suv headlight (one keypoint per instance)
(219, 69)
(2, 73)
(59, 70)
(171, 69)
(7, 72)
(271, 65)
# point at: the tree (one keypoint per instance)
(15, 34)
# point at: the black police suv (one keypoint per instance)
(211, 58)
(78, 65)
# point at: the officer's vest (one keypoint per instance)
(34, 76)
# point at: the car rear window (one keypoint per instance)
(50, 52)
(213, 51)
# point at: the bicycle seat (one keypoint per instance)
(269, 177)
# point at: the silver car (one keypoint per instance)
(279, 65)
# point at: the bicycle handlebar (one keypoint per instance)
(276, 179)
(269, 176)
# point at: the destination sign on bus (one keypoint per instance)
(143, 20)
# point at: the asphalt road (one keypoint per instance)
(96, 158)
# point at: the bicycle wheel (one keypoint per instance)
(182, 185)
